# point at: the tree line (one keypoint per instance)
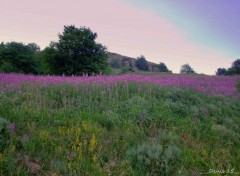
(75, 53)
(233, 70)
(142, 64)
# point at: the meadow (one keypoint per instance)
(119, 125)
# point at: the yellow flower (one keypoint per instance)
(84, 124)
(69, 166)
(60, 130)
(93, 143)
(78, 131)
(68, 131)
(85, 142)
(80, 156)
(44, 134)
(94, 158)
(72, 130)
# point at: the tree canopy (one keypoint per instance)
(233, 70)
(221, 71)
(162, 67)
(142, 64)
(17, 57)
(76, 53)
(186, 69)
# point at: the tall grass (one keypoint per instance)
(117, 129)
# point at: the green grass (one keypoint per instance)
(155, 131)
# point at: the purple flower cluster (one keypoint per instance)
(224, 85)
(12, 127)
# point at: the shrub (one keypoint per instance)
(225, 134)
(230, 124)
(126, 70)
(153, 159)
(175, 107)
(167, 138)
(160, 156)
(134, 107)
(108, 120)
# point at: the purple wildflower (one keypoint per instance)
(70, 156)
(12, 127)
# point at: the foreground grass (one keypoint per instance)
(117, 130)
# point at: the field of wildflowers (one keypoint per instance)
(119, 125)
(223, 85)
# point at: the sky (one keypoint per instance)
(203, 33)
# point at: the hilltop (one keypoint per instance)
(121, 61)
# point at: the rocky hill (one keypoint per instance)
(125, 61)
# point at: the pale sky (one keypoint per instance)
(159, 30)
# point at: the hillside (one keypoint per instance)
(128, 125)
(125, 61)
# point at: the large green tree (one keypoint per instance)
(142, 64)
(76, 53)
(18, 58)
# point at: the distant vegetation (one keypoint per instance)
(186, 69)
(18, 58)
(77, 53)
(233, 70)
(162, 67)
(142, 63)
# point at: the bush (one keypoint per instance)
(224, 134)
(160, 156)
(134, 107)
(126, 70)
(153, 159)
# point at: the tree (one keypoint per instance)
(236, 67)
(233, 70)
(142, 64)
(221, 71)
(236, 63)
(162, 67)
(34, 47)
(17, 57)
(186, 69)
(76, 53)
